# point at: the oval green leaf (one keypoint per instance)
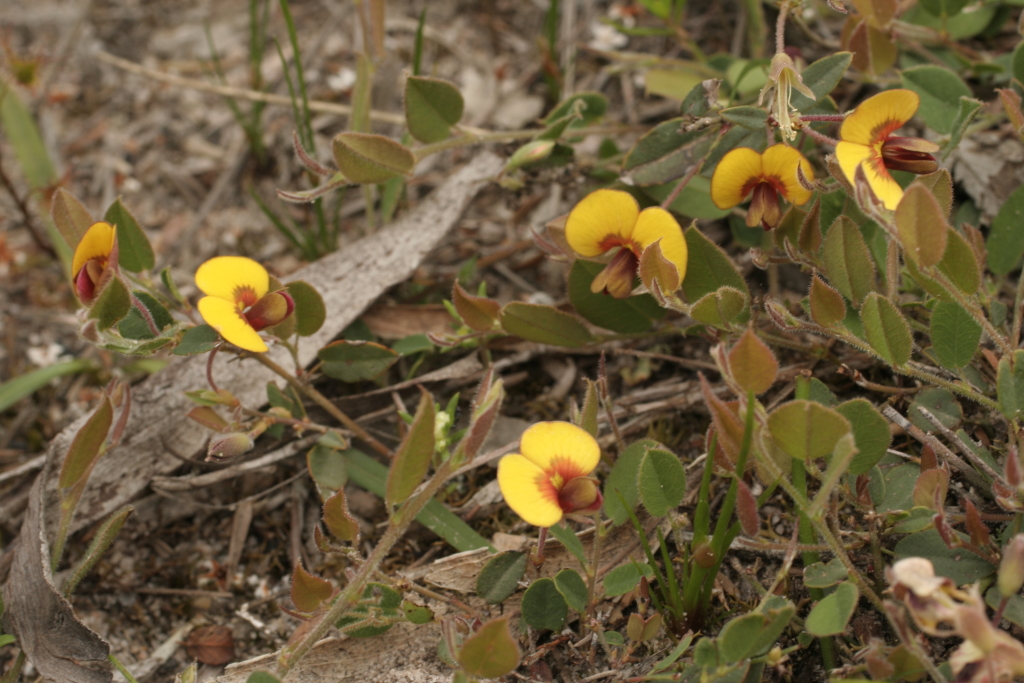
(432, 106)
(499, 578)
(806, 429)
(886, 329)
(366, 158)
(543, 606)
(955, 335)
(354, 361)
(544, 324)
(661, 481)
(832, 613)
(627, 316)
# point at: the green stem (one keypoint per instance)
(324, 403)
(473, 136)
(591, 569)
(120, 667)
(1018, 313)
(352, 593)
(12, 674)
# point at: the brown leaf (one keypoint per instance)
(213, 645)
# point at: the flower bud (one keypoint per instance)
(580, 495)
(617, 277)
(273, 308)
(1011, 569)
(229, 446)
(704, 555)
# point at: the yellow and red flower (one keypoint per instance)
(867, 142)
(238, 303)
(90, 265)
(551, 477)
(744, 171)
(609, 219)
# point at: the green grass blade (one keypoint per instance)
(371, 475)
(18, 388)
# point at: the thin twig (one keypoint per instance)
(940, 448)
(960, 445)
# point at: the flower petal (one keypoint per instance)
(601, 215)
(780, 162)
(97, 242)
(655, 223)
(876, 117)
(734, 177)
(224, 316)
(851, 155)
(226, 276)
(528, 491)
(561, 448)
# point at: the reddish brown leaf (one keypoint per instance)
(213, 645)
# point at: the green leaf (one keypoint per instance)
(627, 316)
(886, 329)
(693, 202)
(921, 225)
(708, 267)
(961, 566)
(326, 467)
(832, 613)
(1005, 241)
(666, 153)
(499, 578)
(409, 466)
(135, 253)
(940, 90)
(491, 652)
(959, 263)
(543, 606)
(870, 433)
(719, 308)
(573, 588)
(825, 574)
(14, 390)
(955, 335)
(354, 361)
(544, 324)
(826, 304)
(621, 493)
(821, 77)
(806, 429)
(754, 118)
(939, 402)
(940, 8)
(847, 261)
(413, 344)
(112, 304)
(368, 159)
(625, 578)
(262, 677)
(198, 339)
(86, 446)
(967, 109)
(310, 311)
(366, 472)
(568, 538)
(432, 106)
(133, 326)
(417, 614)
(1010, 384)
(661, 481)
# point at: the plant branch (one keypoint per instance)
(324, 403)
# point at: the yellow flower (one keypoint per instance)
(607, 219)
(866, 141)
(782, 75)
(89, 269)
(551, 476)
(237, 302)
(744, 171)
